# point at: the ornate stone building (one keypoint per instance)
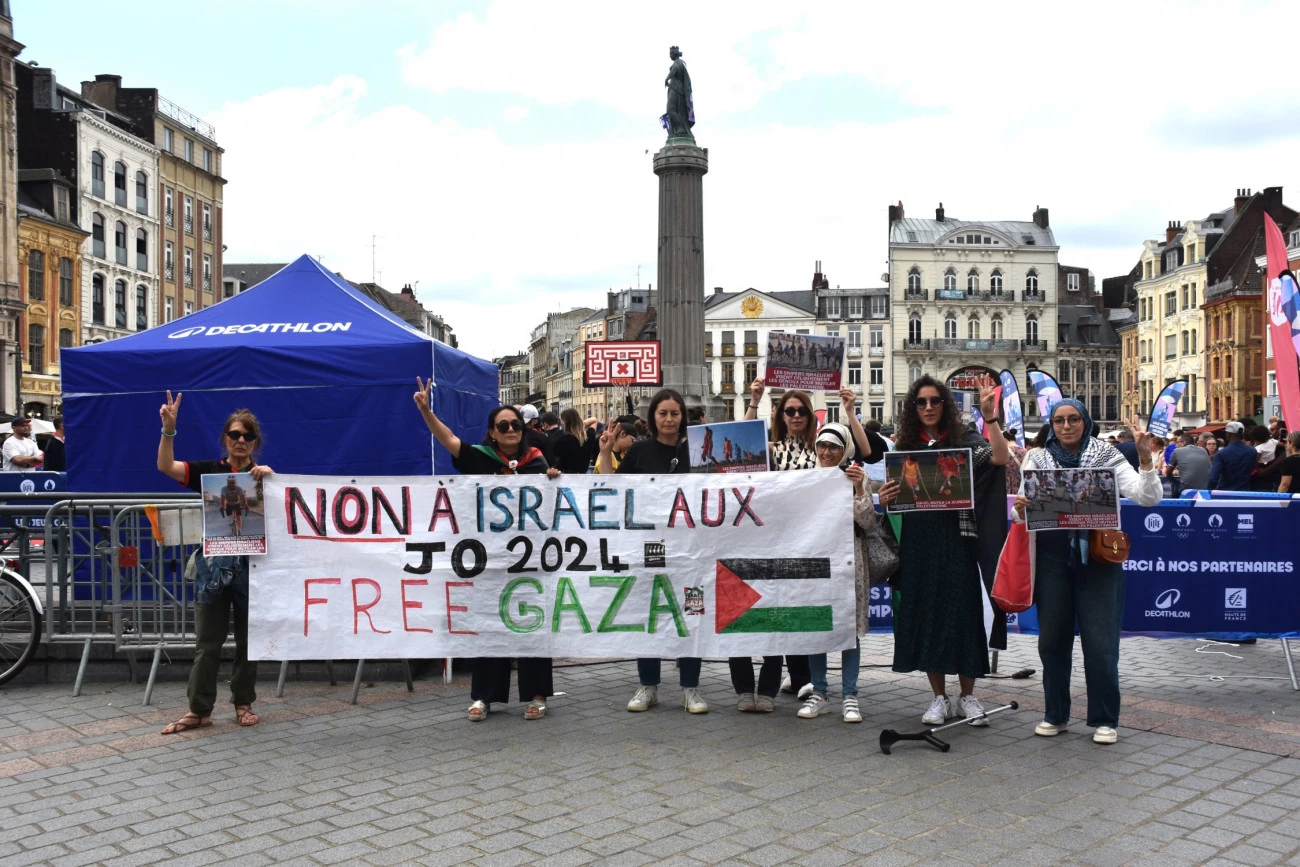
(11, 305)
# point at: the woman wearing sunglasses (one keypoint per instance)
(944, 619)
(503, 452)
(664, 451)
(221, 587)
(1070, 586)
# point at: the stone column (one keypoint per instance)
(681, 167)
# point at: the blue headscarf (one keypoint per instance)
(1063, 456)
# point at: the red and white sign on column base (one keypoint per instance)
(621, 362)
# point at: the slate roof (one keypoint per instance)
(930, 231)
(803, 299)
(251, 273)
(1072, 319)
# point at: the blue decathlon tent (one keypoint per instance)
(328, 373)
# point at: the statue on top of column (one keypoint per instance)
(681, 107)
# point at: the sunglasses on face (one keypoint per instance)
(508, 426)
(246, 436)
(1067, 420)
(795, 411)
(923, 402)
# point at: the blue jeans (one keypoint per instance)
(688, 671)
(1067, 591)
(850, 661)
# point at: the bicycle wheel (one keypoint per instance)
(20, 627)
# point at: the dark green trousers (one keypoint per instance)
(211, 625)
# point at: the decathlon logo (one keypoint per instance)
(1168, 599)
(1154, 523)
(1234, 597)
(261, 328)
(1184, 520)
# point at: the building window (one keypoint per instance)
(913, 373)
(1186, 343)
(1171, 346)
(189, 307)
(972, 282)
(914, 328)
(189, 151)
(141, 193)
(207, 222)
(1031, 329)
(878, 410)
(1095, 403)
(1072, 282)
(169, 309)
(832, 308)
(169, 140)
(995, 283)
(97, 299)
(914, 280)
(141, 308)
(65, 339)
(169, 261)
(728, 376)
(207, 160)
(1063, 370)
(879, 307)
(97, 174)
(950, 327)
(950, 280)
(189, 215)
(876, 337)
(751, 373)
(1031, 283)
(855, 306)
(1096, 372)
(877, 373)
(207, 273)
(995, 328)
(973, 328)
(141, 250)
(36, 276)
(65, 282)
(119, 242)
(119, 303)
(855, 373)
(36, 348)
(1171, 303)
(1195, 347)
(1112, 407)
(119, 183)
(1110, 375)
(189, 272)
(97, 236)
(169, 211)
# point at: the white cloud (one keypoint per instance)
(1100, 114)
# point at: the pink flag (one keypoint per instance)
(1281, 302)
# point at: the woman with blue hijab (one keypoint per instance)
(1070, 586)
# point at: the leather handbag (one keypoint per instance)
(882, 552)
(1108, 546)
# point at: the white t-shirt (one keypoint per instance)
(1267, 451)
(14, 447)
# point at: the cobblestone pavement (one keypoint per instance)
(1205, 772)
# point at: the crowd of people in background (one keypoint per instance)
(24, 453)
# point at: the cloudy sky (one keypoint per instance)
(499, 153)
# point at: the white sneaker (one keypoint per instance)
(645, 698)
(1105, 735)
(693, 701)
(805, 691)
(745, 702)
(764, 703)
(815, 706)
(939, 711)
(972, 710)
(1049, 730)
(849, 708)
(786, 685)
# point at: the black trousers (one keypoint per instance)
(490, 678)
(769, 675)
(800, 673)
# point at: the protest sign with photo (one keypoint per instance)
(233, 515)
(1080, 498)
(931, 479)
(804, 361)
(581, 566)
(728, 447)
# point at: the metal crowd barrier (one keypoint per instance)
(104, 578)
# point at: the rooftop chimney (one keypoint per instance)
(1172, 230)
(819, 280)
(938, 212)
(407, 290)
(102, 91)
(1243, 196)
(717, 290)
(895, 213)
(1040, 218)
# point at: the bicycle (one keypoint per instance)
(21, 618)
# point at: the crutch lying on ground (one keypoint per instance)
(889, 737)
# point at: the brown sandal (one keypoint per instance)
(244, 715)
(191, 720)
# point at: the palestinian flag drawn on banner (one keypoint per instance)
(738, 607)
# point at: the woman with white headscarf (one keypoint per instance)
(1071, 586)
